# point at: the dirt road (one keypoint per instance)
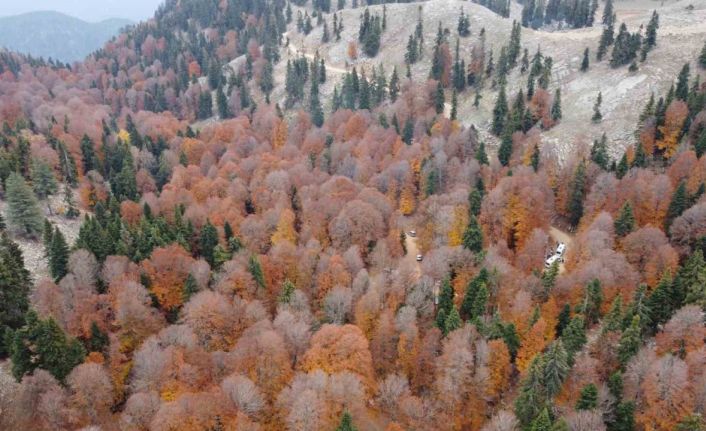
(412, 252)
(560, 236)
(301, 51)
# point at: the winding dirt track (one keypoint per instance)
(301, 51)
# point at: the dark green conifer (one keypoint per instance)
(23, 211)
(58, 256)
(585, 62)
(346, 423)
(574, 206)
(500, 112)
(256, 271)
(629, 341)
(597, 116)
(556, 105)
(625, 222)
(42, 344)
(588, 400)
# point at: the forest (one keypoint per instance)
(246, 262)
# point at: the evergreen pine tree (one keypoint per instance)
(679, 203)
(530, 401)
(682, 90)
(464, 25)
(608, 13)
(15, 285)
(446, 296)
(588, 400)
(71, 210)
(410, 56)
(476, 295)
(662, 300)
(408, 131)
(473, 236)
(625, 222)
(629, 341)
(525, 61)
(574, 336)
(585, 61)
(622, 167)
(702, 57)
(593, 298)
(690, 282)
(556, 367)
(574, 206)
(42, 344)
(556, 106)
(542, 422)
(481, 155)
(439, 98)
(563, 320)
(88, 155)
(208, 240)
(505, 150)
(255, 270)
(394, 86)
(452, 322)
(23, 210)
(98, 339)
(651, 32)
(47, 236)
(597, 116)
(599, 152)
(205, 105)
(605, 41)
(58, 256)
(315, 109)
(190, 287)
(222, 102)
(700, 145)
(500, 112)
(454, 105)
(346, 423)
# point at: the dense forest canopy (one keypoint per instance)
(252, 254)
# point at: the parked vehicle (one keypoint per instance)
(549, 262)
(419, 258)
(560, 249)
(412, 233)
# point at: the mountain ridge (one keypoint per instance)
(57, 35)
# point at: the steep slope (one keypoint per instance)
(53, 34)
(679, 39)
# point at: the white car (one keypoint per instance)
(549, 262)
(412, 233)
(560, 249)
(419, 258)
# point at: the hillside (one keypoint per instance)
(680, 39)
(230, 218)
(55, 35)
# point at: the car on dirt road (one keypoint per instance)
(419, 258)
(412, 233)
(553, 258)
